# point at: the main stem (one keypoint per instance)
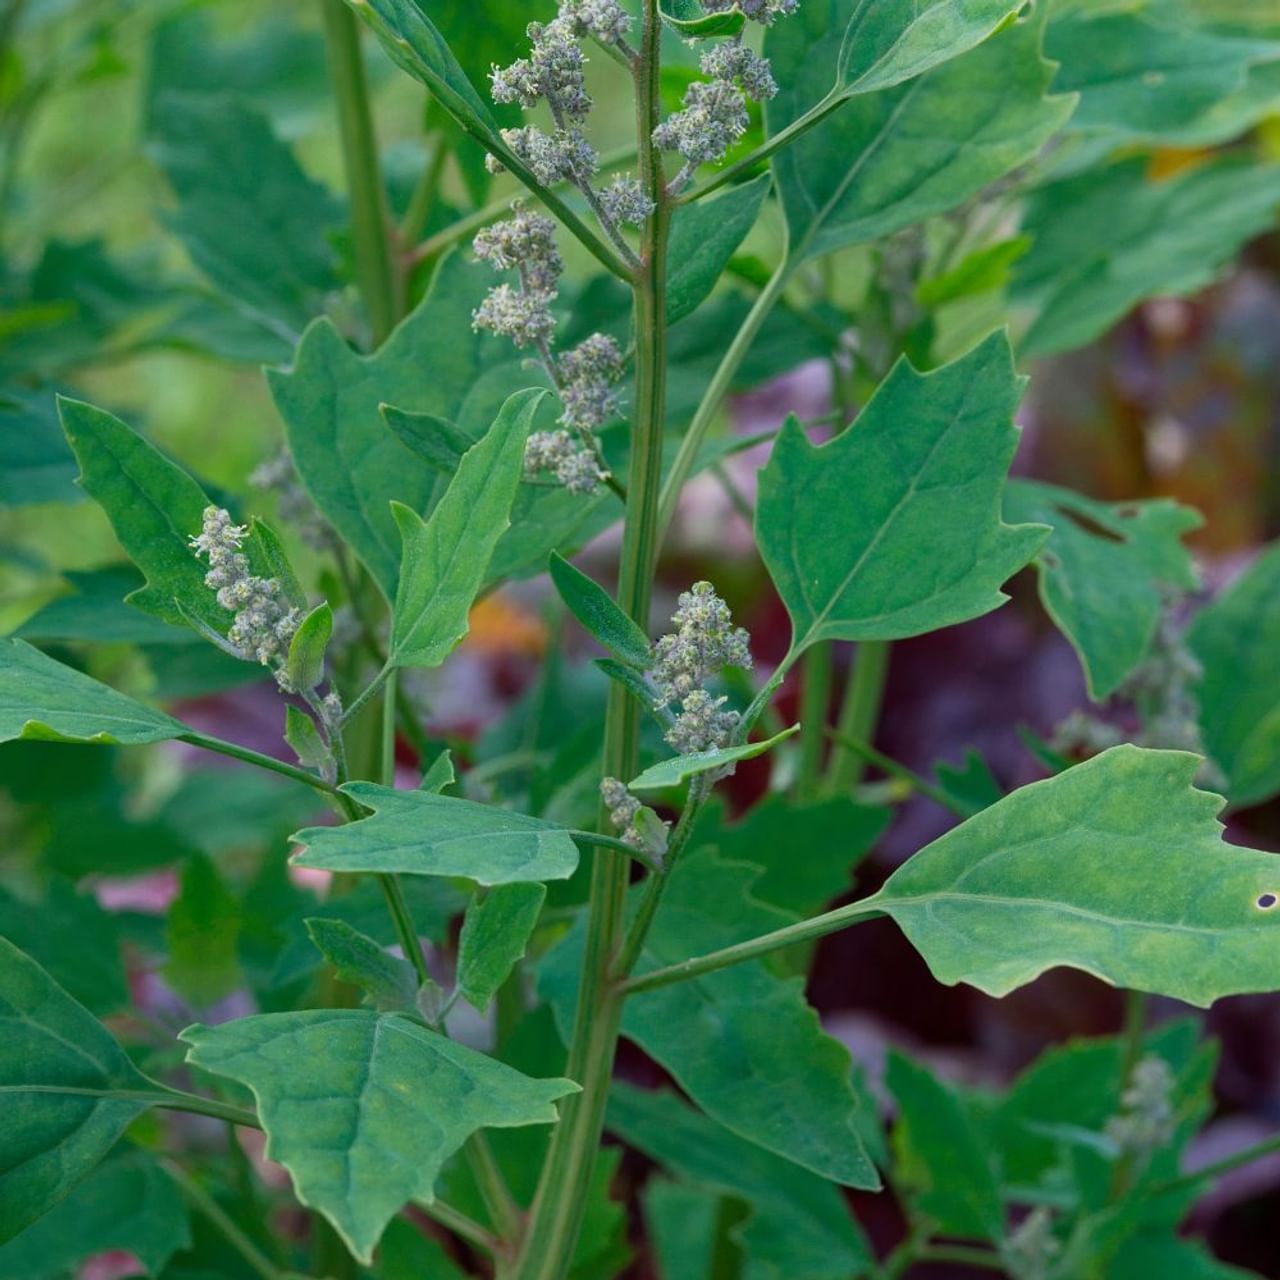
(370, 223)
(562, 1191)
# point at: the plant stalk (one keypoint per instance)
(859, 714)
(370, 221)
(562, 1192)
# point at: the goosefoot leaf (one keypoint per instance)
(1236, 639)
(1116, 867)
(495, 934)
(419, 833)
(363, 1109)
(1102, 569)
(445, 559)
(64, 1091)
(599, 613)
(389, 983)
(893, 528)
(671, 773)
(41, 698)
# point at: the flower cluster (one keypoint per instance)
(279, 476)
(554, 73)
(703, 642)
(714, 113)
(1146, 1122)
(264, 623)
(1032, 1247)
(584, 377)
(638, 826)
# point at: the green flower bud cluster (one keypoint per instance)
(703, 643)
(1031, 1248)
(1146, 1122)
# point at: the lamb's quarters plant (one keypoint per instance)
(528, 344)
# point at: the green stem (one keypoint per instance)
(963, 1255)
(753, 948)
(815, 697)
(1267, 1147)
(370, 223)
(368, 693)
(425, 190)
(562, 1191)
(248, 756)
(858, 714)
(503, 1210)
(802, 124)
(897, 769)
(463, 1227)
(169, 1099)
(1136, 1005)
(448, 236)
(717, 389)
(599, 841)
(202, 1202)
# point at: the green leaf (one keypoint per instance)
(1102, 569)
(127, 1204)
(830, 836)
(363, 1109)
(389, 983)
(446, 558)
(96, 611)
(434, 439)
(305, 665)
(1106, 239)
(885, 161)
(687, 18)
(64, 1091)
(596, 609)
(406, 1252)
(885, 42)
(982, 271)
(414, 45)
(1236, 638)
(35, 463)
(1146, 1256)
(970, 784)
(495, 935)
(684, 1225)
(799, 1225)
(1149, 71)
(203, 933)
(41, 698)
(893, 528)
(304, 738)
(671, 773)
(1116, 867)
(941, 1155)
(349, 460)
(74, 939)
(251, 220)
(419, 833)
(705, 235)
(767, 1072)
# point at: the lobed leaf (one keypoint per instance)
(1101, 571)
(1116, 867)
(363, 1109)
(1235, 638)
(421, 833)
(742, 1043)
(445, 559)
(66, 1091)
(893, 528)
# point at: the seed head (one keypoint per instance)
(525, 318)
(733, 62)
(586, 376)
(701, 725)
(573, 465)
(605, 20)
(1146, 1121)
(625, 202)
(714, 117)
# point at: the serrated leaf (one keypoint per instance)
(599, 613)
(73, 938)
(420, 833)
(43, 699)
(128, 1204)
(1101, 571)
(1116, 867)
(705, 235)
(445, 559)
(893, 528)
(941, 1154)
(742, 1043)
(203, 930)
(363, 1109)
(389, 983)
(887, 160)
(830, 837)
(349, 460)
(1236, 639)
(799, 1225)
(495, 935)
(1106, 239)
(251, 220)
(671, 773)
(64, 1091)
(1150, 72)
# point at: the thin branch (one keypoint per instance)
(204, 1203)
(249, 756)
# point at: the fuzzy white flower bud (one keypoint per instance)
(714, 117)
(1146, 1121)
(733, 62)
(605, 20)
(624, 200)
